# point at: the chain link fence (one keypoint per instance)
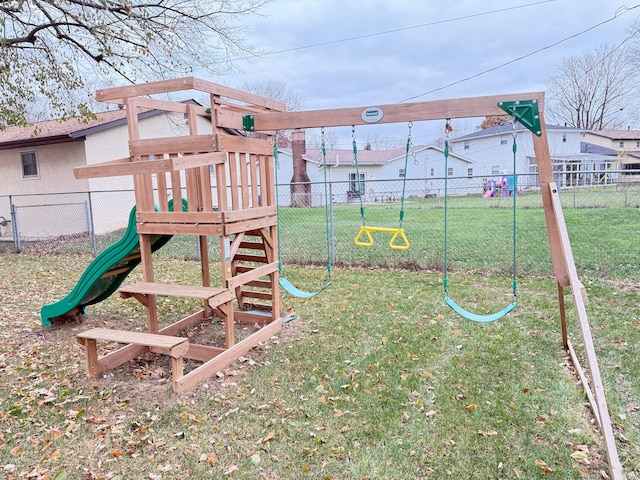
(320, 222)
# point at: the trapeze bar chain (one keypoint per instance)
(398, 241)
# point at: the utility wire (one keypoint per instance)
(618, 13)
(396, 30)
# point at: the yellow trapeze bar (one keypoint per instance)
(364, 238)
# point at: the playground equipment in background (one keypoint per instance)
(245, 217)
(502, 187)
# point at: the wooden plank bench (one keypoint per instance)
(213, 295)
(175, 347)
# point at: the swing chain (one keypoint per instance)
(322, 154)
(355, 146)
(410, 146)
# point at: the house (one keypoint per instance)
(492, 152)
(36, 165)
(382, 173)
(625, 144)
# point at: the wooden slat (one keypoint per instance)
(241, 257)
(244, 225)
(202, 353)
(234, 143)
(233, 180)
(253, 274)
(253, 178)
(258, 295)
(248, 214)
(265, 184)
(176, 190)
(252, 317)
(174, 346)
(252, 245)
(191, 217)
(180, 229)
(163, 199)
(244, 183)
(168, 289)
(225, 359)
(186, 144)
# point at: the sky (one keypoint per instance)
(346, 53)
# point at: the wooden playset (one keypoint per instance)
(230, 194)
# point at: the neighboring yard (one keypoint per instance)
(376, 379)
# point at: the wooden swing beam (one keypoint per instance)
(561, 254)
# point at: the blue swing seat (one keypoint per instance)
(474, 317)
(296, 292)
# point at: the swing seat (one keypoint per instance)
(474, 317)
(398, 241)
(296, 292)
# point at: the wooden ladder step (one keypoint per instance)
(175, 347)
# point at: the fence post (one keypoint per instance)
(16, 230)
(332, 224)
(90, 227)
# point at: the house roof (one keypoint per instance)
(58, 131)
(627, 134)
(586, 147)
(508, 128)
(344, 156)
(69, 130)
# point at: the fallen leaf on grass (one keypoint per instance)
(543, 466)
(471, 407)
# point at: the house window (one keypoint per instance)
(469, 172)
(564, 138)
(467, 146)
(29, 164)
(638, 144)
(450, 171)
(401, 172)
(433, 172)
(503, 141)
(495, 169)
(621, 143)
(355, 186)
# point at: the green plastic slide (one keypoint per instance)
(105, 273)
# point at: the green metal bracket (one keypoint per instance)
(526, 112)
(248, 123)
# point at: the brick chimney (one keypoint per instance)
(301, 186)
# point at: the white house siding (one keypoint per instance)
(39, 208)
(492, 153)
(424, 172)
(113, 197)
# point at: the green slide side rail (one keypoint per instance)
(104, 275)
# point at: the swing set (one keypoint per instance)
(242, 216)
(527, 110)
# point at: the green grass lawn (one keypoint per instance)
(376, 378)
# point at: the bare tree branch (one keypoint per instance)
(49, 47)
